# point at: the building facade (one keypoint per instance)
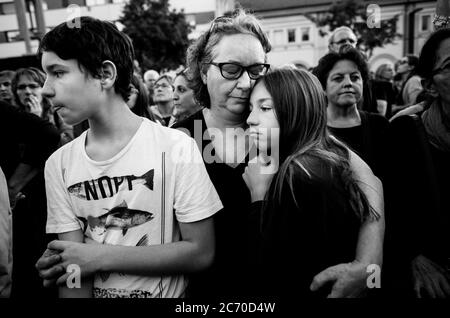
(295, 39)
(198, 13)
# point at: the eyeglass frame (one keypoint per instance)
(243, 68)
(442, 70)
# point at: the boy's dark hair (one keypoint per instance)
(91, 43)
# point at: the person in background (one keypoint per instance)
(27, 88)
(344, 76)
(418, 187)
(341, 36)
(411, 86)
(163, 98)
(5, 239)
(150, 78)
(442, 17)
(138, 100)
(26, 142)
(183, 98)
(6, 93)
(383, 89)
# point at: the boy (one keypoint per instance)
(137, 188)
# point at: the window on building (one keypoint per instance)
(278, 37)
(90, 3)
(291, 35)
(7, 8)
(305, 34)
(3, 37)
(13, 36)
(426, 23)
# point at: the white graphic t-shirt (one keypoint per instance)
(132, 199)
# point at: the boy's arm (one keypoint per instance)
(85, 291)
(193, 253)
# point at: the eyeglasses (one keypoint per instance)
(232, 71)
(23, 87)
(403, 62)
(443, 70)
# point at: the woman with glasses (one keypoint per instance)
(223, 65)
(419, 183)
(163, 99)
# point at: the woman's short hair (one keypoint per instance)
(200, 52)
(39, 77)
(346, 52)
(166, 77)
(32, 72)
(380, 70)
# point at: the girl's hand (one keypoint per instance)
(258, 175)
(33, 105)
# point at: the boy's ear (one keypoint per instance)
(429, 86)
(109, 74)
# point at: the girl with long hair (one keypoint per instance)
(315, 212)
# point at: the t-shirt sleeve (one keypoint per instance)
(60, 215)
(195, 196)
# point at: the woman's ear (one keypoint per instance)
(108, 75)
(430, 88)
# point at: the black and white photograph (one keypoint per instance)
(228, 156)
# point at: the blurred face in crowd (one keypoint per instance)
(441, 78)
(183, 98)
(231, 96)
(28, 90)
(75, 95)
(134, 93)
(387, 73)
(344, 84)
(5, 88)
(150, 79)
(403, 65)
(341, 38)
(262, 121)
(163, 91)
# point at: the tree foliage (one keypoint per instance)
(160, 36)
(355, 15)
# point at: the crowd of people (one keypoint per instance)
(232, 178)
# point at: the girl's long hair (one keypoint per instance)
(300, 108)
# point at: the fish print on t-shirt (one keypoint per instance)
(106, 187)
(118, 218)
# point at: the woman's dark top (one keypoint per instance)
(417, 196)
(300, 240)
(368, 140)
(228, 275)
